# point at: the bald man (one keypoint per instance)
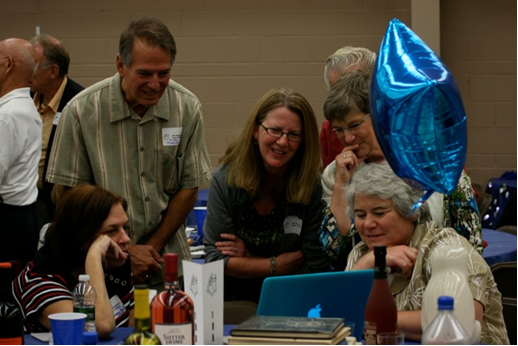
(20, 150)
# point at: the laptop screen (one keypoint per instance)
(331, 294)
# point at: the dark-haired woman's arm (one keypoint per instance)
(103, 250)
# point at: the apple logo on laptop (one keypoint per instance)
(315, 312)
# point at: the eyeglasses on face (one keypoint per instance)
(278, 133)
(340, 131)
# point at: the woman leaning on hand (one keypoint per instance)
(380, 203)
(87, 236)
(264, 208)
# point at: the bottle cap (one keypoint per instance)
(84, 277)
(90, 338)
(170, 267)
(445, 303)
(380, 251)
(141, 287)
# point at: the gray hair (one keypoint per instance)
(378, 179)
(347, 58)
(350, 93)
(54, 52)
(28, 58)
(150, 30)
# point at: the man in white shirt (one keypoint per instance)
(20, 150)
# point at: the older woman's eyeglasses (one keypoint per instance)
(340, 131)
(278, 133)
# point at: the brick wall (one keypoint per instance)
(230, 52)
(478, 44)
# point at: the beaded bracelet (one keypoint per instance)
(273, 266)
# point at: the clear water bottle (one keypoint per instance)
(445, 328)
(84, 296)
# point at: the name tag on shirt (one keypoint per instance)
(117, 306)
(56, 118)
(171, 136)
(292, 224)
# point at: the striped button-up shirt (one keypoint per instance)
(100, 140)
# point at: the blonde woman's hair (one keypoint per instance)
(245, 167)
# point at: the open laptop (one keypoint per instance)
(331, 294)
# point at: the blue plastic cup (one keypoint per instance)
(67, 328)
(201, 214)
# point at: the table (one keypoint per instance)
(117, 338)
(501, 246)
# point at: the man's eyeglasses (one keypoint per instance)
(277, 133)
(340, 131)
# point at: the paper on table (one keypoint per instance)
(351, 340)
(197, 248)
(152, 294)
(197, 251)
(42, 336)
(198, 254)
(204, 284)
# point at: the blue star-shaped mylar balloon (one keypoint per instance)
(417, 113)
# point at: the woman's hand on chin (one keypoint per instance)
(112, 255)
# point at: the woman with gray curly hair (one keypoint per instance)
(380, 204)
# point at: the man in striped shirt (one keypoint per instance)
(140, 135)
